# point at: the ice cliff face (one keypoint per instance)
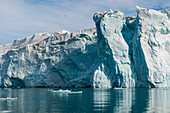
(60, 59)
(120, 52)
(113, 49)
(151, 48)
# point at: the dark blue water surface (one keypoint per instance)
(39, 100)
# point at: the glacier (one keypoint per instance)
(151, 48)
(120, 52)
(113, 49)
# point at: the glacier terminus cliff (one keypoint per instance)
(120, 52)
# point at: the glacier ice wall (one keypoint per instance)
(119, 52)
(61, 59)
(113, 49)
(151, 48)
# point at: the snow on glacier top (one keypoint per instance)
(38, 37)
(62, 31)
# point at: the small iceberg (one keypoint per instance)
(77, 92)
(9, 98)
(61, 91)
(118, 88)
(66, 91)
(5, 111)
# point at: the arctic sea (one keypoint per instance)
(40, 100)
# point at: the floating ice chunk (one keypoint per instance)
(65, 91)
(118, 88)
(76, 92)
(61, 91)
(5, 111)
(9, 98)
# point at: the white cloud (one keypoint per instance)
(19, 18)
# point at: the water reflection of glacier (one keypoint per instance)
(119, 100)
(132, 100)
(101, 99)
(91, 100)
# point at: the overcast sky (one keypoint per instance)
(22, 18)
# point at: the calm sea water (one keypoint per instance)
(39, 100)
